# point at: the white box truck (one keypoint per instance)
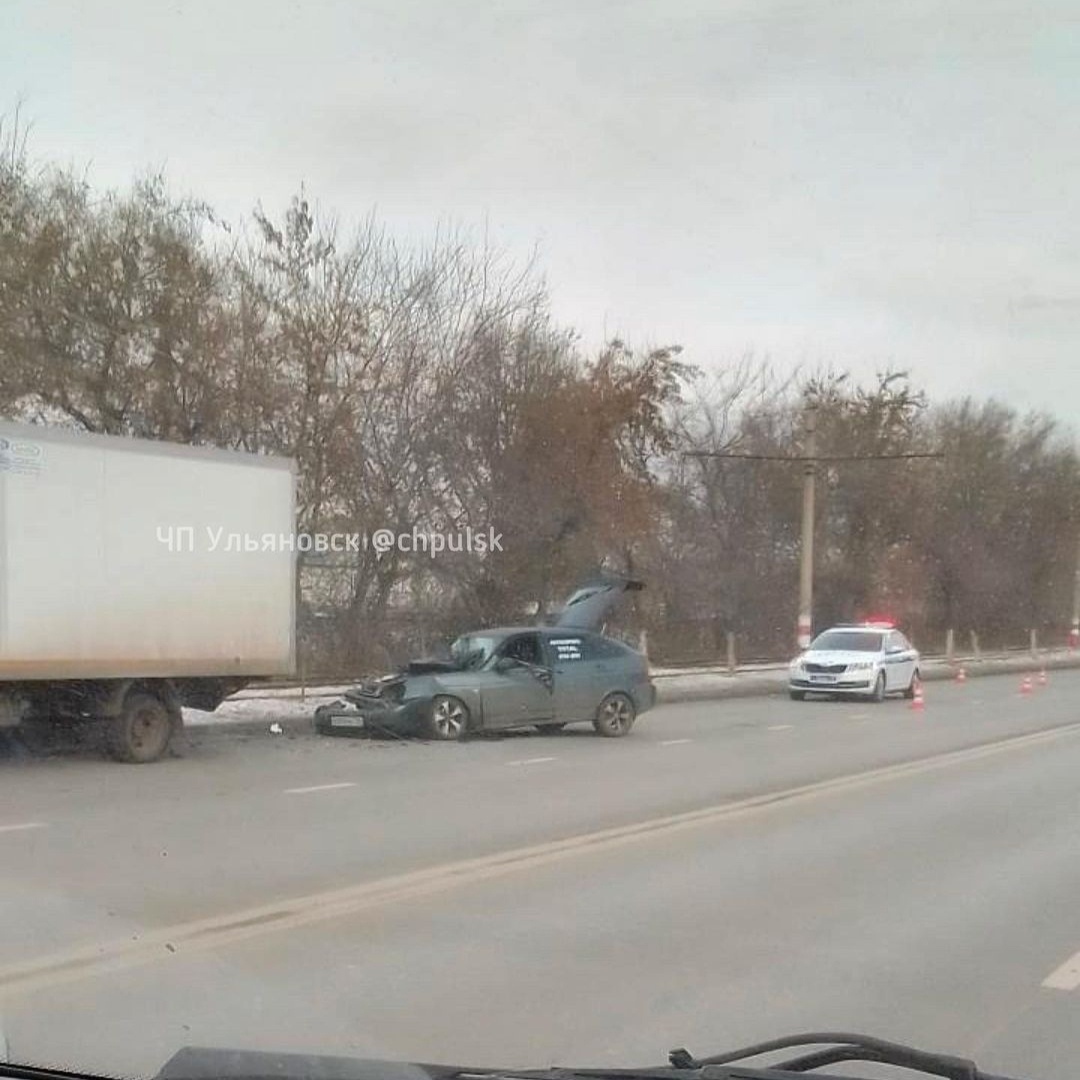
(129, 586)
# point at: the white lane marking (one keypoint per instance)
(1066, 977)
(781, 727)
(318, 787)
(531, 761)
(227, 928)
(675, 742)
(23, 826)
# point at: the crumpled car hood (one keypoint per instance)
(404, 685)
(430, 666)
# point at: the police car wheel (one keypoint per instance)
(909, 693)
(797, 695)
(879, 688)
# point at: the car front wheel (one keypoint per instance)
(615, 717)
(797, 695)
(878, 694)
(448, 719)
(909, 693)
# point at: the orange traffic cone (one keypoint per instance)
(917, 701)
(1042, 677)
(961, 674)
(1025, 685)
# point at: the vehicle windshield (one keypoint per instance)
(847, 641)
(706, 371)
(472, 651)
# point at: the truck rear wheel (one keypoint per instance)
(142, 731)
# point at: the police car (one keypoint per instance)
(865, 660)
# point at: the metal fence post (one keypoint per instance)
(731, 653)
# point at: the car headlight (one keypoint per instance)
(861, 665)
(798, 664)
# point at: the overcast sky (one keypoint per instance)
(861, 184)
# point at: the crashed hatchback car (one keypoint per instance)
(511, 677)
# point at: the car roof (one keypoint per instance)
(864, 628)
(506, 631)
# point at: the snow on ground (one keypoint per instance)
(247, 710)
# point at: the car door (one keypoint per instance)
(516, 684)
(911, 660)
(578, 678)
(899, 661)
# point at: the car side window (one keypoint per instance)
(524, 647)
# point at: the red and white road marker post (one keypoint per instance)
(918, 702)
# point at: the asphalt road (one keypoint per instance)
(728, 872)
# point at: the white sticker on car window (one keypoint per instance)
(567, 648)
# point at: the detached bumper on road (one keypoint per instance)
(341, 718)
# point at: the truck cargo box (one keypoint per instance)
(98, 580)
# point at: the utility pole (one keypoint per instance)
(804, 629)
(810, 459)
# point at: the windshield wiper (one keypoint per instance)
(834, 1047)
(831, 1048)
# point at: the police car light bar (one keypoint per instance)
(869, 624)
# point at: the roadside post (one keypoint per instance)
(1074, 631)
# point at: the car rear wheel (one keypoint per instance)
(615, 717)
(878, 694)
(797, 695)
(448, 719)
(909, 693)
